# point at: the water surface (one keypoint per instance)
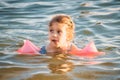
(96, 20)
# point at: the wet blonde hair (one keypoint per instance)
(64, 19)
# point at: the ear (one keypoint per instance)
(70, 35)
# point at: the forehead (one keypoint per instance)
(57, 25)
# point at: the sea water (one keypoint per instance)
(97, 20)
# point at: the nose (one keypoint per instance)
(55, 34)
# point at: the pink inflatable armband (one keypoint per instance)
(28, 48)
(89, 51)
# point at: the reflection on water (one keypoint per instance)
(97, 20)
(50, 77)
(60, 65)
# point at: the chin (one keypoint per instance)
(57, 46)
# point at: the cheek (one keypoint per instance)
(64, 36)
(49, 36)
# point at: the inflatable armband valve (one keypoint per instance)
(28, 48)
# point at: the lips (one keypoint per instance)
(55, 41)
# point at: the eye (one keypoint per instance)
(51, 30)
(59, 32)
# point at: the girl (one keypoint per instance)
(61, 33)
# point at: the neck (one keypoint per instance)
(60, 49)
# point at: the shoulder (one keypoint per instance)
(73, 48)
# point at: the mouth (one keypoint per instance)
(55, 41)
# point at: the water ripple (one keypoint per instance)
(28, 19)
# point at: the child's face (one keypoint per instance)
(57, 34)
